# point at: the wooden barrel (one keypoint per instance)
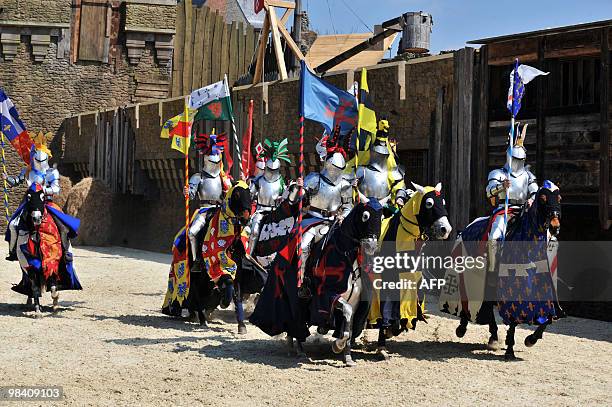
(417, 32)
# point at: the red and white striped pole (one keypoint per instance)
(299, 237)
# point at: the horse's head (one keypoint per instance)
(548, 204)
(429, 206)
(364, 223)
(239, 202)
(35, 204)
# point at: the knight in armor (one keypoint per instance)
(38, 172)
(267, 188)
(208, 186)
(381, 178)
(514, 180)
(328, 195)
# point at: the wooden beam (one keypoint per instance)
(225, 51)
(278, 48)
(179, 46)
(285, 18)
(234, 62)
(604, 137)
(291, 43)
(482, 142)
(198, 46)
(261, 50)
(211, 17)
(188, 50)
(279, 3)
(540, 104)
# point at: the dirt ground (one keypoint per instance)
(110, 345)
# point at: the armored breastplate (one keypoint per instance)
(36, 178)
(328, 197)
(374, 182)
(210, 188)
(268, 192)
(519, 188)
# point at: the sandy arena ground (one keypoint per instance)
(110, 345)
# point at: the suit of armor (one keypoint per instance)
(266, 190)
(40, 173)
(206, 186)
(330, 196)
(522, 185)
(376, 179)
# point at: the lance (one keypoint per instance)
(512, 120)
(188, 141)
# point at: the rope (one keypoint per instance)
(358, 18)
(5, 187)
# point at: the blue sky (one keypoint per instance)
(457, 21)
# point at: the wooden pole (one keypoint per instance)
(187, 187)
(300, 231)
(516, 77)
(5, 186)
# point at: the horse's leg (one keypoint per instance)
(381, 344)
(202, 319)
(532, 339)
(348, 358)
(347, 314)
(289, 342)
(54, 295)
(493, 339)
(239, 310)
(510, 342)
(36, 292)
(462, 328)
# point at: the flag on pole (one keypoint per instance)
(367, 116)
(519, 77)
(326, 104)
(13, 128)
(247, 156)
(180, 133)
(173, 122)
(213, 102)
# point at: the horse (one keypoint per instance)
(334, 276)
(43, 249)
(215, 279)
(423, 217)
(534, 226)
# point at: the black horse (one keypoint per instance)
(335, 278)
(206, 293)
(44, 250)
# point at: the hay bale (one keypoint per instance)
(90, 200)
(65, 188)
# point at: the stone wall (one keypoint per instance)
(43, 11)
(141, 13)
(37, 72)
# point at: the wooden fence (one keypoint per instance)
(111, 152)
(206, 48)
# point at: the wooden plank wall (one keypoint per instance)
(461, 144)
(206, 48)
(111, 152)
